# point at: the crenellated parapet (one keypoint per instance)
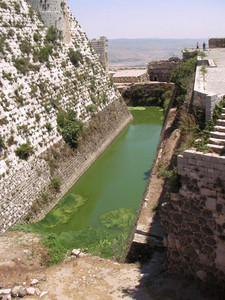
(54, 13)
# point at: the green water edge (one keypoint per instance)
(98, 212)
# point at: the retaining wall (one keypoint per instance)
(194, 218)
(23, 187)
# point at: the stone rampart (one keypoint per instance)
(217, 43)
(194, 218)
(32, 180)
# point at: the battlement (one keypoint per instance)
(54, 13)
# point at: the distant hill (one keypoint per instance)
(138, 52)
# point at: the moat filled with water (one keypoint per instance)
(98, 212)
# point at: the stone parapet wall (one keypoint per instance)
(194, 218)
(24, 187)
(217, 43)
(203, 98)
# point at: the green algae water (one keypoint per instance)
(98, 212)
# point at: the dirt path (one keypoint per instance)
(22, 258)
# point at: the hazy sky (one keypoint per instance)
(151, 19)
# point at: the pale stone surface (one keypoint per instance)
(31, 291)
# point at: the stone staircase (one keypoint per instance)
(217, 137)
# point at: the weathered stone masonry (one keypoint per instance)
(54, 13)
(194, 219)
(24, 186)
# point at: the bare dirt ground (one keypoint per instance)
(22, 258)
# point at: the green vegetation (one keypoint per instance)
(106, 244)
(171, 176)
(22, 65)
(3, 5)
(56, 183)
(144, 96)
(75, 57)
(69, 127)
(36, 37)
(44, 53)
(23, 151)
(182, 76)
(2, 144)
(52, 35)
(120, 218)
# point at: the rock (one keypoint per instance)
(43, 278)
(38, 292)
(76, 252)
(34, 281)
(1, 286)
(15, 291)
(27, 251)
(30, 291)
(43, 293)
(22, 292)
(5, 292)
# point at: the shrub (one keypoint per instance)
(25, 47)
(52, 35)
(75, 57)
(23, 151)
(182, 76)
(22, 65)
(48, 126)
(44, 53)
(36, 37)
(3, 5)
(56, 183)
(2, 144)
(71, 132)
(69, 127)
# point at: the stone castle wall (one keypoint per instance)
(54, 13)
(162, 70)
(34, 179)
(194, 218)
(31, 99)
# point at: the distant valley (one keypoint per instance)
(136, 53)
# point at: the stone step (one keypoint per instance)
(220, 122)
(220, 128)
(215, 148)
(223, 109)
(222, 116)
(218, 134)
(216, 141)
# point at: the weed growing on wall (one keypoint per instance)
(69, 127)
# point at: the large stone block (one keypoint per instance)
(210, 203)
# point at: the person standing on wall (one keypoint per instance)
(204, 46)
(197, 46)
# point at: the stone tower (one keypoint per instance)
(100, 47)
(54, 13)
